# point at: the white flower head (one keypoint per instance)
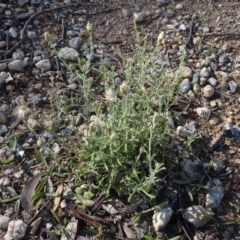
(160, 38)
(110, 94)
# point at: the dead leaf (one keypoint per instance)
(129, 232)
(71, 230)
(28, 192)
(57, 200)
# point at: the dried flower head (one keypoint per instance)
(110, 94)
(124, 88)
(89, 27)
(47, 37)
(160, 38)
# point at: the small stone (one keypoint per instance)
(196, 88)
(4, 221)
(182, 27)
(12, 32)
(205, 72)
(213, 81)
(38, 86)
(2, 44)
(205, 29)
(186, 72)
(3, 66)
(18, 55)
(17, 65)
(75, 42)
(2, 35)
(3, 118)
(224, 59)
(183, 132)
(213, 121)
(203, 80)
(218, 165)
(31, 34)
(126, 13)
(214, 197)
(233, 86)
(44, 65)
(185, 86)
(22, 2)
(161, 217)
(179, 6)
(197, 41)
(198, 215)
(162, 2)
(3, 129)
(16, 230)
(208, 91)
(195, 78)
(5, 181)
(228, 130)
(203, 112)
(138, 17)
(68, 54)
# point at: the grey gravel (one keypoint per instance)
(233, 86)
(185, 86)
(208, 91)
(5, 181)
(31, 34)
(4, 221)
(197, 215)
(161, 217)
(213, 81)
(214, 197)
(75, 42)
(3, 118)
(3, 129)
(18, 55)
(44, 65)
(179, 6)
(205, 72)
(13, 33)
(16, 230)
(195, 78)
(224, 59)
(68, 54)
(17, 65)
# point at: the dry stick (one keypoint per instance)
(191, 30)
(7, 40)
(63, 28)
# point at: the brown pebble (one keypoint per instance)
(10, 88)
(38, 86)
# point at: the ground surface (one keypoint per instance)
(216, 27)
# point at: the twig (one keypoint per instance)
(190, 31)
(63, 28)
(7, 40)
(42, 12)
(9, 52)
